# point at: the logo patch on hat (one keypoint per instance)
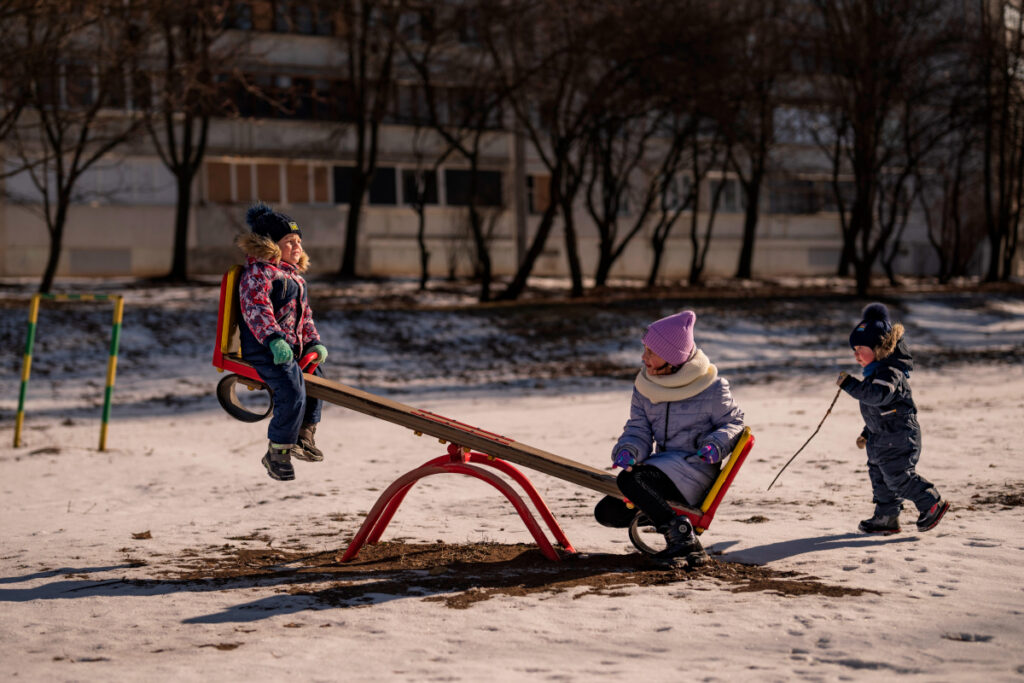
(293, 226)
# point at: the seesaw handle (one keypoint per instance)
(308, 362)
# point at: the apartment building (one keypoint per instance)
(300, 160)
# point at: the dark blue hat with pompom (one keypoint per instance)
(874, 325)
(265, 221)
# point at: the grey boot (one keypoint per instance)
(681, 544)
(278, 461)
(307, 446)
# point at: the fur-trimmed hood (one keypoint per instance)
(888, 342)
(265, 249)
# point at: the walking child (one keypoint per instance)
(278, 329)
(682, 421)
(891, 432)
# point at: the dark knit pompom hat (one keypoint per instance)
(874, 325)
(265, 221)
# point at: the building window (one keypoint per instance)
(239, 15)
(243, 183)
(342, 177)
(411, 179)
(218, 181)
(730, 200)
(488, 187)
(78, 92)
(828, 195)
(677, 193)
(792, 195)
(268, 182)
(320, 194)
(538, 193)
(298, 183)
(382, 186)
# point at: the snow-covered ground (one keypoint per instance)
(93, 545)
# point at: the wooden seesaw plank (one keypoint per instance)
(426, 422)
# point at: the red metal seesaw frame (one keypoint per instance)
(461, 461)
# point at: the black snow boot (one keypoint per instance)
(278, 461)
(880, 524)
(307, 446)
(681, 544)
(930, 517)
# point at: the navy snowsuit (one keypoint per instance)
(892, 432)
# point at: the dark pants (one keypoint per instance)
(893, 479)
(649, 489)
(292, 408)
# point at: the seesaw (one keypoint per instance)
(470, 449)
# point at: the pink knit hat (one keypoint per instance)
(672, 337)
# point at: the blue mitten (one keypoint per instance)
(624, 459)
(321, 353)
(282, 352)
(710, 454)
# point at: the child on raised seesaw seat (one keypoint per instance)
(682, 422)
(278, 328)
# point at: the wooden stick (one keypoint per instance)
(805, 442)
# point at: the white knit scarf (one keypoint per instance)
(693, 378)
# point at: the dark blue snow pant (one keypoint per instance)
(891, 463)
(292, 408)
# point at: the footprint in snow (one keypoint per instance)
(967, 637)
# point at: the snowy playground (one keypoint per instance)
(172, 555)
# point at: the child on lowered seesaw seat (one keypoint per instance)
(278, 328)
(682, 422)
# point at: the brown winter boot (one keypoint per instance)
(309, 451)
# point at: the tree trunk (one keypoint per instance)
(179, 260)
(571, 249)
(421, 240)
(56, 242)
(518, 284)
(355, 207)
(752, 190)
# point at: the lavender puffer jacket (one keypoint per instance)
(678, 429)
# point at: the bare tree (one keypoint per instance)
(762, 57)
(186, 67)
(455, 85)
(875, 57)
(619, 147)
(635, 141)
(710, 150)
(546, 54)
(946, 182)
(16, 17)
(422, 192)
(1000, 59)
(366, 31)
(75, 110)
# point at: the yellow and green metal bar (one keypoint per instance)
(108, 392)
(26, 368)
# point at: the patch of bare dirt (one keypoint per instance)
(462, 575)
(1009, 495)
